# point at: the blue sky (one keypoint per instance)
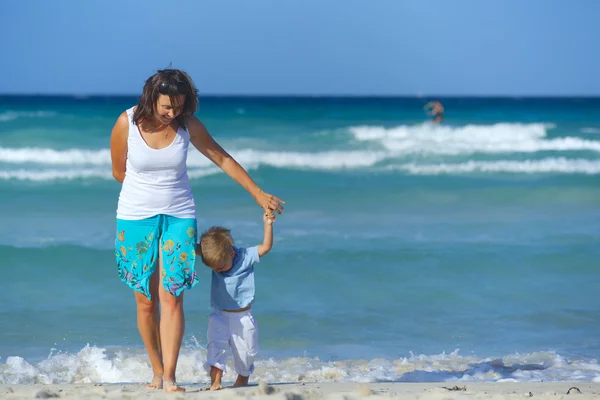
(304, 47)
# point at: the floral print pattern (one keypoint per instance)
(137, 246)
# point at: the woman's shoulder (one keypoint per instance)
(122, 123)
(127, 115)
(192, 122)
(194, 126)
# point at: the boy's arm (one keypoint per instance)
(267, 243)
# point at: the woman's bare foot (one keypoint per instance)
(171, 386)
(241, 381)
(157, 383)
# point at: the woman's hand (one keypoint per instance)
(268, 202)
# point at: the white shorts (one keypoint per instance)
(235, 330)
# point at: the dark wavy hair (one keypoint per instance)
(171, 82)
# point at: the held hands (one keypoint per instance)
(269, 217)
(269, 203)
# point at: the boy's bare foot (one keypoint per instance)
(241, 381)
(215, 378)
(216, 386)
(157, 383)
(171, 386)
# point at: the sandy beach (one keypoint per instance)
(300, 391)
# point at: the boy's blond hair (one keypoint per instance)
(216, 245)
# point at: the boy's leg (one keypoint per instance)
(215, 378)
(241, 381)
(216, 348)
(244, 346)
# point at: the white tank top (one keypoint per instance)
(156, 181)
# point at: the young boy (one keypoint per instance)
(231, 324)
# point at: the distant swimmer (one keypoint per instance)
(436, 110)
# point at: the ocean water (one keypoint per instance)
(468, 251)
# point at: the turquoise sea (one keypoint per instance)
(468, 251)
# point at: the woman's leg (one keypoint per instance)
(176, 261)
(172, 326)
(148, 316)
(136, 253)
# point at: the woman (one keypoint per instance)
(156, 214)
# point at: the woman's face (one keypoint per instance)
(165, 112)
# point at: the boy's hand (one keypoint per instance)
(267, 244)
(269, 217)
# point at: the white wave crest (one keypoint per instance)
(95, 364)
(590, 130)
(249, 157)
(398, 146)
(54, 174)
(34, 155)
(327, 160)
(469, 139)
(11, 115)
(49, 175)
(88, 164)
(547, 165)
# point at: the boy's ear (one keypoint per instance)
(232, 253)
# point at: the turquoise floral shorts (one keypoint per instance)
(138, 243)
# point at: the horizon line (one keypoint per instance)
(324, 96)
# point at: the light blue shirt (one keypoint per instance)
(234, 289)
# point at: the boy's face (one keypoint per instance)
(226, 265)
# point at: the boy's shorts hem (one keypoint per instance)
(207, 366)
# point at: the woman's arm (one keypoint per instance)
(118, 147)
(204, 142)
